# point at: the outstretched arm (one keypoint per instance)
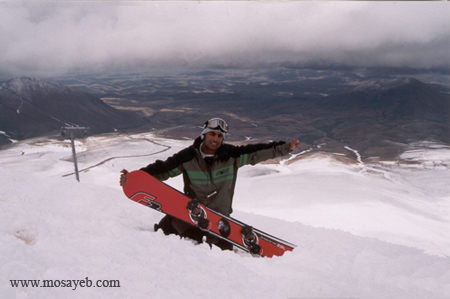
(255, 153)
(162, 170)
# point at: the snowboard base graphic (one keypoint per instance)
(148, 191)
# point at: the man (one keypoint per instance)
(209, 169)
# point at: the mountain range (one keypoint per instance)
(379, 115)
(30, 107)
(394, 99)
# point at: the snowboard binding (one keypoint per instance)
(198, 214)
(250, 240)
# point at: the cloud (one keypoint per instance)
(57, 37)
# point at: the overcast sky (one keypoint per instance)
(53, 38)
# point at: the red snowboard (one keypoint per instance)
(148, 191)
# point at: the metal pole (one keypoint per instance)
(72, 138)
(74, 156)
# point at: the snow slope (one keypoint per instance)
(363, 231)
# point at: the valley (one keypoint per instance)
(378, 113)
(310, 105)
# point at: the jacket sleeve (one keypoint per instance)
(254, 153)
(163, 170)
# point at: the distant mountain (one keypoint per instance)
(376, 115)
(30, 107)
(379, 116)
(398, 98)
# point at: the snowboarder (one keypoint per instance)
(209, 169)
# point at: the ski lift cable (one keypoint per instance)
(43, 110)
(30, 117)
(65, 123)
(100, 161)
(113, 158)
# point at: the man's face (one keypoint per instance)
(212, 142)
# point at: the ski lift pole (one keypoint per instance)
(74, 156)
(72, 141)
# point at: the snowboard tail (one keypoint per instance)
(150, 192)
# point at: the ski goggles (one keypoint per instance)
(216, 124)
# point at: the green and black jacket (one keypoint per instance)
(213, 183)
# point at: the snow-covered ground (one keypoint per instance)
(363, 231)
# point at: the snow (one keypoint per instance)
(26, 86)
(7, 136)
(363, 230)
